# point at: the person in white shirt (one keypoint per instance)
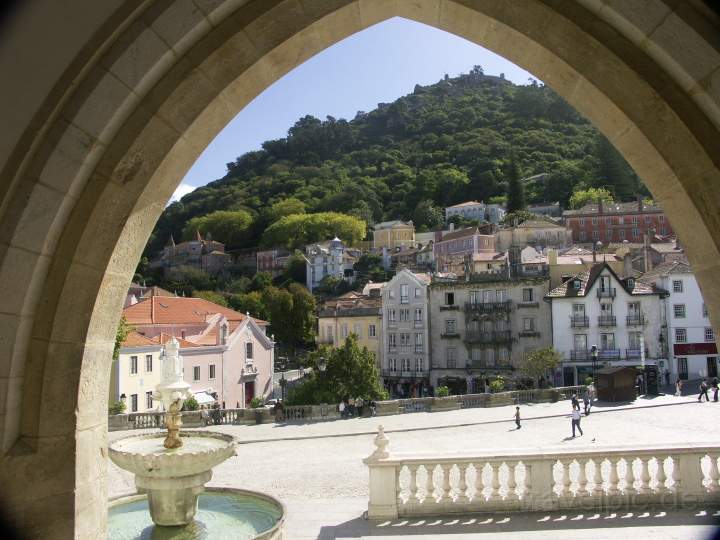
(576, 421)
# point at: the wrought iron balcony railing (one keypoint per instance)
(606, 293)
(579, 321)
(488, 307)
(607, 320)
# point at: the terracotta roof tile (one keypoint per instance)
(134, 339)
(177, 310)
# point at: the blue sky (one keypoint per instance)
(376, 65)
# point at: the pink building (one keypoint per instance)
(225, 353)
(456, 245)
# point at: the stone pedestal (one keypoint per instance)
(173, 501)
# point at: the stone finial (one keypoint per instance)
(381, 445)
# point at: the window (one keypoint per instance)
(133, 403)
(476, 355)
(404, 315)
(621, 220)
(450, 326)
(503, 356)
(391, 293)
(608, 221)
(392, 341)
(196, 373)
(596, 235)
(607, 342)
(148, 400)
(648, 220)
(636, 233)
(419, 364)
(418, 315)
(449, 299)
(527, 295)
(621, 234)
(661, 219)
(392, 362)
(582, 236)
(451, 356)
(704, 311)
(404, 340)
(248, 351)
(148, 363)
(490, 357)
(580, 342)
(133, 365)
(404, 298)
(680, 335)
(679, 311)
(594, 221)
(357, 330)
(211, 371)
(371, 330)
(418, 292)
(634, 340)
(582, 221)
(709, 334)
(576, 284)
(391, 316)
(418, 342)
(475, 297)
(528, 324)
(682, 368)
(677, 285)
(500, 296)
(634, 219)
(405, 364)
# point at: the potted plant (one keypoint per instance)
(442, 391)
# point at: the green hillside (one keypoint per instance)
(442, 144)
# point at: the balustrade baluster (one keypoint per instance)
(713, 473)
(512, 490)
(645, 476)
(398, 487)
(630, 476)
(661, 476)
(613, 478)
(565, 463)
(675, 474)
(495, 481)
(429, 485)
(462, 484)
(446, 495)
(597, 478)
(413, 496)
(582, 478)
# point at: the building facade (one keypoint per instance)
(537, 233)
(136, 373)
(692, 350)
(393, 234)
(483, 328)
(273, 261)
(405, 356)
(493, 213)
(456, 245)
(615, 222)
(353, 313)
(202, 253)
(623, 318)
(329, 259)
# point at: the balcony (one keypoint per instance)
(484, 364)
(606, 293)
(609, 354)
(579, 355)
(579, 321)
(450, 307)
(607, 320)
(449, 335)
(417, 324)
(476, 336)
(529, 333)
(632, 353)
(404, 374)
(528, 304)
(635, 320)
(488, 307)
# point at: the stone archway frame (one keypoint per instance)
(92, 176)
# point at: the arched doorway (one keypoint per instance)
(86, 175)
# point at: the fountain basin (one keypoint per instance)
(173, 478)
(222, 513)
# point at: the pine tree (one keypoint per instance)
(613, 172)
(516, 190)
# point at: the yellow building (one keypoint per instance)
(136, 373)
(394, 234)
(353, 313)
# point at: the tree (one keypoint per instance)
(211, 296)
(260, 281)
(518, 217)
(251, 303)
(516, 190)
(229, 227)
(286, 207)
(329, 285)
(587, 196)
(301, 229)
(539, 362)
(303, 314)
(428, 215)
(296, 268)
(122, 332)
(614, 172)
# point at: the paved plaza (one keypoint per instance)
(316, 469)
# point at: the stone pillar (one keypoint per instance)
(541, 484)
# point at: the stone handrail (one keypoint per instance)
(404, 485)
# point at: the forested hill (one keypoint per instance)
(442, 144)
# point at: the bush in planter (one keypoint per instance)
(117, 408)
(256, 403)
(497, 385)
(588, 381)
(191, 404)
(442, 391)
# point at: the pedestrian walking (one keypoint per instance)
(703, 391)
(359, 406)
(586, 403)
(715, 388)
(517, 417)
(371, 406)
(576, 421)
(575, 402)
(678, 388)
(341, 408)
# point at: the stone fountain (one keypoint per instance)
(173, 472)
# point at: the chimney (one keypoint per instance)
(627, 265)
(600, 206)
(552, 255)
(640, 203)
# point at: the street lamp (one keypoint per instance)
(282, 382)
(594, 355)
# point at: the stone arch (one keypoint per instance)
(88, 175)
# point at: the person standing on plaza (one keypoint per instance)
(575, 402)
(715, 388)
(703, 391)
(678, 388)
(359, 406)
(341, 409)
(517, 417)
(586, 402)
(576, 421)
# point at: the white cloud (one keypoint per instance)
(182, 190)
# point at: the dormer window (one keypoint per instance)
(223, 334)
(576, 284)
(631, 283)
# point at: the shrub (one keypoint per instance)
(117, 408)
(588, 381)
(497, 385)
(442, 391)
(191, 404)
(256, 403)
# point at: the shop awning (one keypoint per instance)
(203, 398)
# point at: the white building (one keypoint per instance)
(693, 352)
(405, 358)
(136, 372)
(328, 259)
(494, 213)
(467, 210)
(618, 316)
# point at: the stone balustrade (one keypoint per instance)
(612, 477)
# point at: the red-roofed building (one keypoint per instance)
(225, 353)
